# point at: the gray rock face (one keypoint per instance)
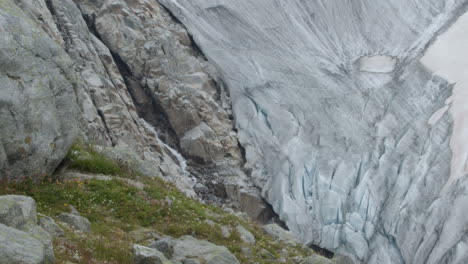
(76, 221)
(115, 70)
(18, 247)
(38, 109)
(340, 119)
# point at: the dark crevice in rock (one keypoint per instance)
(324, 252)
(103, 118)
(193, 45)
(146, 104)
(60, 26)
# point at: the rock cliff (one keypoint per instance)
(123, 75)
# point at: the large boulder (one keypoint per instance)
(188, 246)
(18, 247)
(44, 238)
(78, 222)
(17, 211)
(38, 107)
(146, 255)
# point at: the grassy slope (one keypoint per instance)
(115, 208)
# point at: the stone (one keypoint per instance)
(49, 225)
(165, 246)
(207, 252)
(254, 205)
(45, 238)
(18, 247)
(73, 210)
(316, 259)
(246, 251)
(190, 261)
(210, 223)
(279, 233)
(79, 223)
(266, 254)
(282, 260)
(17, 211)
(245, 235)
(141, 234)
(200, 188)
(226, 231)
(342, 259)
(145, 255)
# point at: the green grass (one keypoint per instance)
(86, 158)
(115, 208)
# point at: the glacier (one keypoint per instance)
(353, 115)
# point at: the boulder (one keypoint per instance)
(210, 253)
(279, 233)
(165, 245)
(245, 235)
(44, 238)
(49, 225)
(17, 211)
(225, 231)
(190, 261)
(316, 259)
(255, 206)
(141, 234)
(342, 259)
(38, 106)
(146, 255)
(266, 254)
(78, 222)
(18, 247)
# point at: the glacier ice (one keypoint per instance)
(353, 115)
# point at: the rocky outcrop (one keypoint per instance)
(354, 140)
(126, 75)
(167, 78)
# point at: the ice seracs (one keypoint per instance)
(347, 133)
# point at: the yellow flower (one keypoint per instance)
(65, 204)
